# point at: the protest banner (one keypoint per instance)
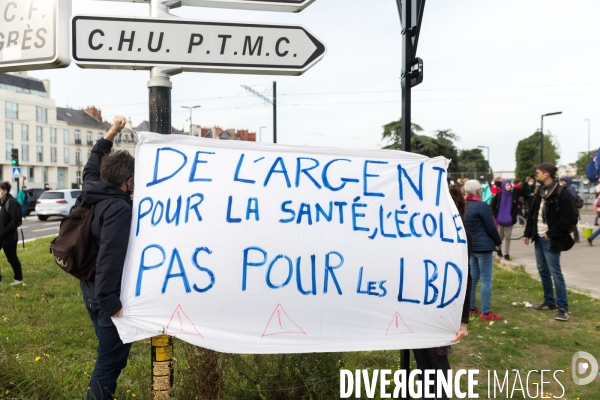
(259, 248)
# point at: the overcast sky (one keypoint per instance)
(492, 68)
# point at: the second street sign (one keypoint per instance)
(131, 43)
(262, 5)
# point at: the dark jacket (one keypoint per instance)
(559, 213)
(467, 304)
(10, 220)
(110, 229)
(495, 205)
(479, 222)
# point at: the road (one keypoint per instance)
(579, 265)
(33, 228)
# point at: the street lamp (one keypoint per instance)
(260, 133)
(542, 135)
(588, 121)
(191, 108)
(488, 156)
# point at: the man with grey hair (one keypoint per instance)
(108, 185)
(549, 222)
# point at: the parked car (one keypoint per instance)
(34, 194)
(57, 203)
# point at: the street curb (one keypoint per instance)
(513, 266)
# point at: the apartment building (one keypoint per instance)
(54, 143)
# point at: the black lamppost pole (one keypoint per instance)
(488, 156)
(542, 135)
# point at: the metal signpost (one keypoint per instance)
(411, 15)
(30, 35)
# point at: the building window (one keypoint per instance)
(53, 154)
(24, 152)
(89, 155)
(12, 110)
(77, 157)
(65, 136)
(52, 135)
(9, 148)
(89, 137)
(100, 135)
(78, 177)
(77, 136)
(25, 132)
(41, 114)
(39, 154)
(9, 130)
(31, 174)
(39, 134)
(66, 156)
(45, 174)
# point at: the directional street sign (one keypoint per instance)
(16, 172)
(33, 34)
(131, 43)
(261, 5)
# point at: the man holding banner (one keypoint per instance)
(108, 184)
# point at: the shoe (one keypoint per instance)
(596, 224)
(544, 307)
(16, 283)
(507, 257)
(490, 317)
(499, 252)
(576, 240)
(476, 311)
(562, 314)
(590, 241)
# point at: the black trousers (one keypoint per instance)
(10, 250)
(430, 359)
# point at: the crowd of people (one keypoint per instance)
(549, 208)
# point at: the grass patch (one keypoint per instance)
(47, 346)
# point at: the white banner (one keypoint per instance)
(257, 248)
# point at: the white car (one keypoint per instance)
(57, 203)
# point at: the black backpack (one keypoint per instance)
(579, 202)
(74, 249)
(574, 218)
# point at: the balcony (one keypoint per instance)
(90, 142)
(77, 141)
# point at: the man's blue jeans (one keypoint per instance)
(112, 354)
(481, 265)
(548, 265)
(23, 210)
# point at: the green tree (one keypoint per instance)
(392, 133)
(472, 160)
(441, 144)
(528, 153)
(583, 162)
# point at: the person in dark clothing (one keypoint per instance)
(505, 207)
(529, 190)
(107, 184)
(548, 225)
(436, 358)
(480, 223)
(10, 220)
(567, 182)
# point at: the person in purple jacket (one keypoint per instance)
(505, 206)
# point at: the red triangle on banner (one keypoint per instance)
(397, 326)
(281, 323)
(180, 324)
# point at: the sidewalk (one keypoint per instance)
(580, 265)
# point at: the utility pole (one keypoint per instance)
(159, 88)
(266, 100)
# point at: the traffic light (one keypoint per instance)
(14, 157)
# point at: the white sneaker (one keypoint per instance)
(16, 283)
